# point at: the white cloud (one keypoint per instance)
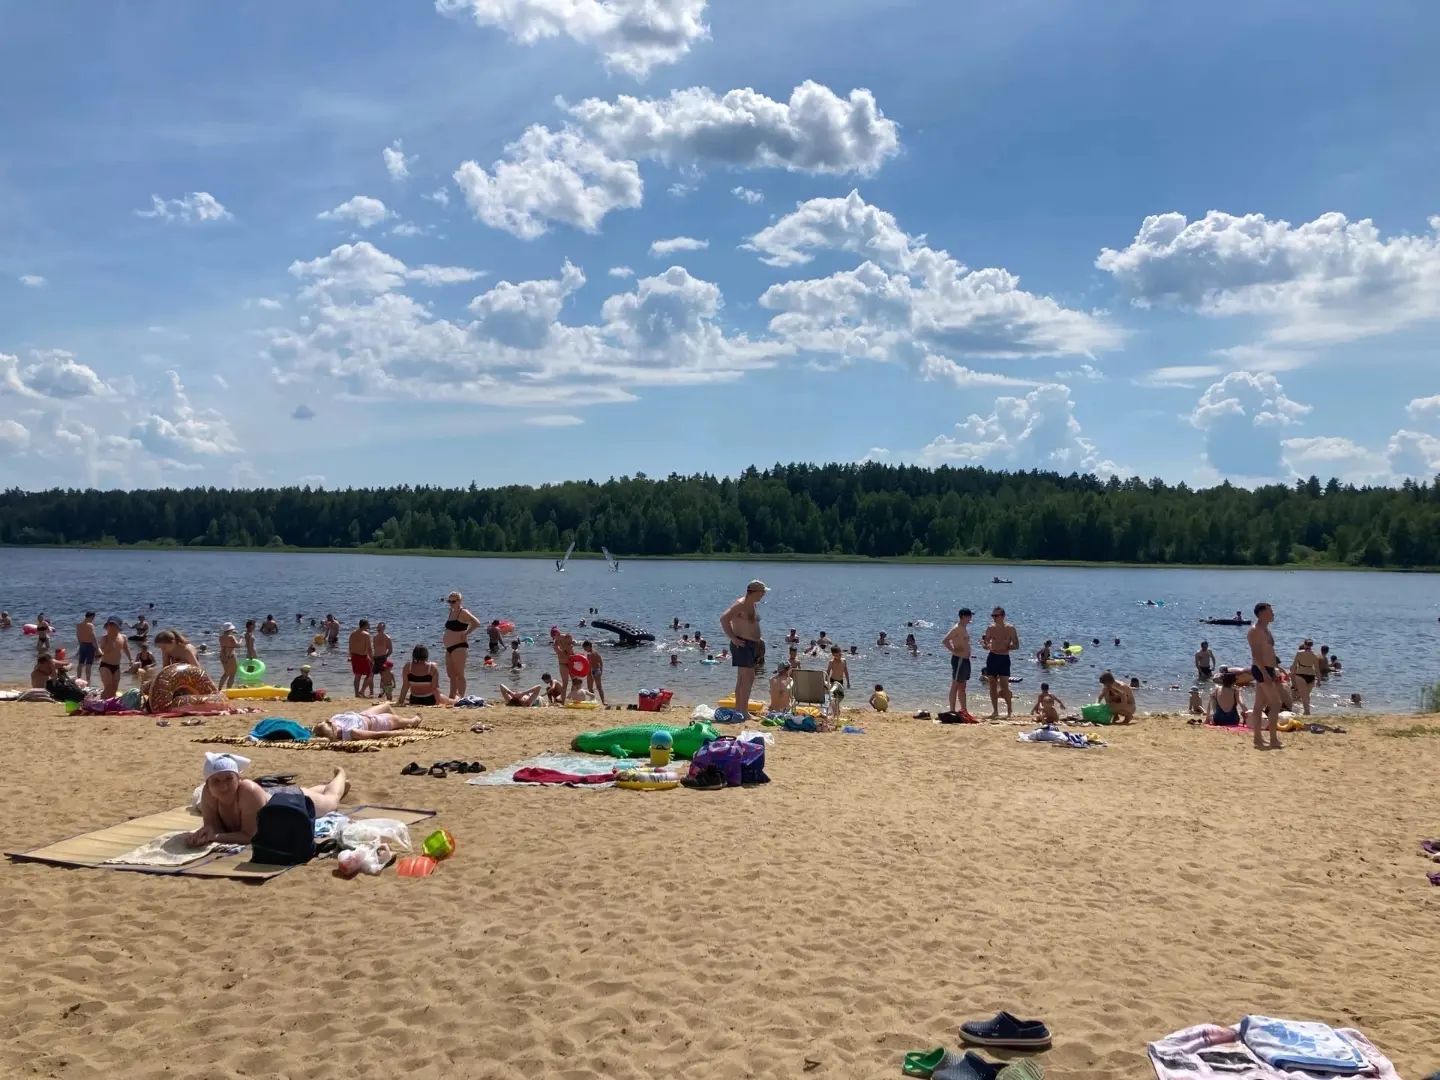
(634, 36)
(1326, 280)
(439, 196)
(1183, 376)
(313, 480)
(875, 453)
(221, 381)
(621, 272)
(14, 437)
(397, 164)
(409, 228)
(1243, 417)
(939, 368)
(359, 267)
(33, 281)
(1037, 431)
(302, 412)
(546, 177)
(748, 195)
(1327, 455)
(816, 131)
(525, 315)
(680, 189)
(553, 420)
(662, 248)
(1413, 454)
(1424, 408)
(360, 210)
(197, 208)
(1262, 358)
(908, 299)
(182, 431)
(52, 374)
(442, 275)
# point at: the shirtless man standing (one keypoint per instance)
(85, 656)
(1000, 640)
(1204, 662)
(112, 647)
(1265, 669)
(741, 624)
(362, 653)
(957, 643)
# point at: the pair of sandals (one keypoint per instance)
(442, 769)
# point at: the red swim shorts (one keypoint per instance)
(360, 664)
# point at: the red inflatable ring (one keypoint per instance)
(579, 666)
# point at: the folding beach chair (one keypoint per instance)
(808, 687)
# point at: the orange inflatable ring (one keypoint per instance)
(579, 666)
(183, 684)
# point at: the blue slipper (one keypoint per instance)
(1007, 1032)
(970, 1067)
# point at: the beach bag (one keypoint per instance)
(740, 763)
(62, 688)
(285, 830)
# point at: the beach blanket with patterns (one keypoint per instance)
(168, 849)
(362, 746)
(575, 764)
(1212, 1052)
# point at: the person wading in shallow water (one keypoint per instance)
(741, 624)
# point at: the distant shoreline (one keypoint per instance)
(794, 557)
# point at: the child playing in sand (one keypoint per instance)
(880, 700)
(228, 664)
(594, 681)
(376, 722)
(1047, 706)
(1197, 707)
(554, 691)
(387, 681)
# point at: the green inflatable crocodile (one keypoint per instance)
(634, 741)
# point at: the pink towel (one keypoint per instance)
(1211, 1052)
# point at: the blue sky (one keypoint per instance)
(535, 240)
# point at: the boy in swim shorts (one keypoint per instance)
(957, 642)
(85, 654)
(1000, 640)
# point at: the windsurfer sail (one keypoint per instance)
(560, 563)
(613, 562)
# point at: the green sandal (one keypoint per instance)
(922, 1063)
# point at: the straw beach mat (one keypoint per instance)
(93, 850)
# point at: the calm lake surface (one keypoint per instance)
(1382, 625)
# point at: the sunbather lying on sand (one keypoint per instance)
(376, 722)
(521, 699)
(229, 805)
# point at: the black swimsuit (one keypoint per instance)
(419, 699)
(456, 626)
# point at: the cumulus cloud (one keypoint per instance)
(439, 196)
(875, 453)
(633, 36)
(748, 195)
(409, 228)
(1328, 455)
(525, 315)
(1413, 454)
(360, 210)
(1244, 416)
(303, 412)
(363, 268)
(429, 274)
(908, 299)
(548, 176)
(14, 437)
(51, 375)
(621, 272)
(197, 208)
(942, 369)
(1183, 376)
(1327, 280)
(554, 420)
(1424, 408)
(397, 164)
(1037, 431)
(33, 281)
(176, 430)
(815, 131)
(662, 248)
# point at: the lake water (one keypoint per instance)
(1382, 625)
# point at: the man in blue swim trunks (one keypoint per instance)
(1000, 640)
(741, 624)
(85, 655)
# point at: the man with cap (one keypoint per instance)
(741, 624)
(229, 806)
(113, 647)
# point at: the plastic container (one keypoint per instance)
(439, 845)
(662, 745)
(1098, 713)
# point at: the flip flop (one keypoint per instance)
(922, 1062)
(438, 770)
(413, 769)
(278, 780)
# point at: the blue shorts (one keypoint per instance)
(87, 653)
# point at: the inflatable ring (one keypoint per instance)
(648, 779)
(29, 629)
(1075, 650)
(582, 704)
(182, 684)
(505, 626)
(579, 666)
(527, 641)
(256, 693)
(250, 671)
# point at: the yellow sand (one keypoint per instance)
(882, 889)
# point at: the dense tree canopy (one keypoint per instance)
(867, 510)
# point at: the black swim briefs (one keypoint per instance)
(997, 665)
(959, 669)
(1260, 674)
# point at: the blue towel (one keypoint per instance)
(1292, 1044)
(277, 728)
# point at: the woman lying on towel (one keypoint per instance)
(376, 722)
(229, 805)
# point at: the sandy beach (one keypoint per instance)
(882, 889)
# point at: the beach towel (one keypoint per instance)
(1212, 1052)
(1073, 739)
(1293, 1044)
(279, 729)
(169, 849)
(582, 764)
(342, 746)
(538, 775)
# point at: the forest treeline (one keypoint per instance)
(865, 510)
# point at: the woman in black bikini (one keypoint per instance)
(458, 628)
(419, 677)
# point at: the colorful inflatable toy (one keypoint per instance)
(250, 671)
(579, 666)
(634, 741)
(647, 779)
